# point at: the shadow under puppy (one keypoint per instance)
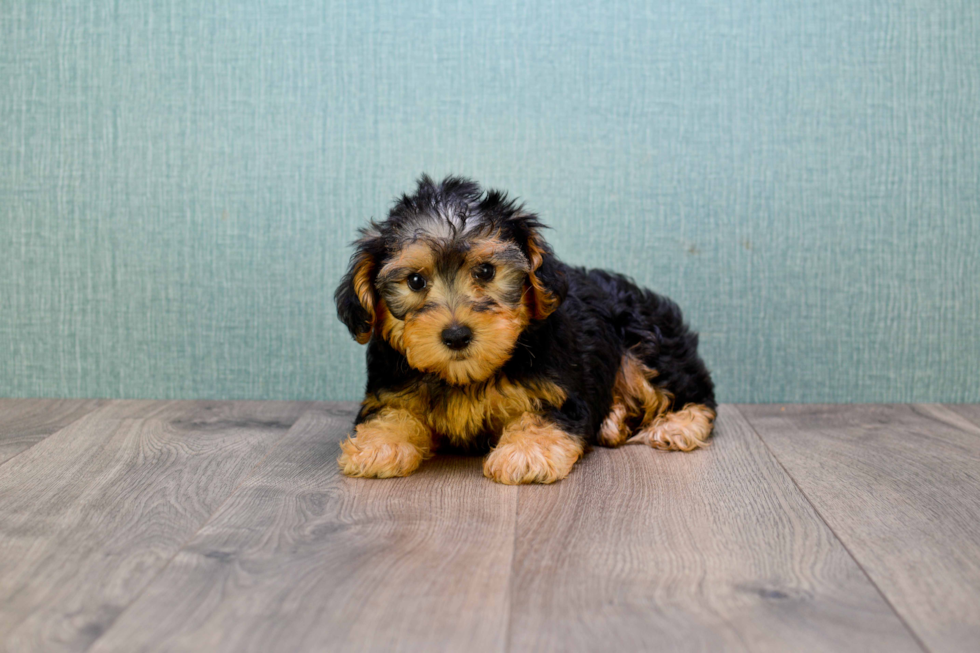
(480, 338)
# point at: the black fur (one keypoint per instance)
(578, 347)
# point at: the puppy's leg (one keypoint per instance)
(636, 400)
(393, 443)
(532, 450)
(614, 429)
(682, 430)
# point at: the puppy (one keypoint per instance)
(479, 338)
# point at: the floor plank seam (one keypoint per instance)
(961, 423)
(510, 575)
(190, 539)
(34, 444)
(806, 497)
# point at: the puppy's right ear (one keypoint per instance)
(356, 297)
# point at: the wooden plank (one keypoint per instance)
(89, 515)
(25, 422)
(302, 558)
(969, 414)
(707, 551)
(900, 485)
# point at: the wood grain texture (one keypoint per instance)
(708, 551)
(304, 559)
(969, 412)
(91, 514)
(25, 422)
(900, 485)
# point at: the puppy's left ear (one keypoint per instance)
(547, 281)
(356, 297)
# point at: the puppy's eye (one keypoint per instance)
(416, 281)
(484, 271)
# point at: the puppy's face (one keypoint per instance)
(454, 304)
(450, 280)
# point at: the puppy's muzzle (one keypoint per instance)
(457, 336)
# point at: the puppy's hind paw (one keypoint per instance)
(684, 430)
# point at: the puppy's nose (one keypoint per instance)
(457, 336)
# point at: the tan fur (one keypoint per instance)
(464, 412)
(542, 303)
(416, 256)
(364, 288)
(532, 450)
(394, 443)
(392, 330)
(636, 401)
(495, 334)
(487, 248)
(683, 430)
(417, 333)
(614, 429)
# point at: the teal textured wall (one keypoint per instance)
(179, 180)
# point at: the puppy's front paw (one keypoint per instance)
(380, 451)
(534, 452)
(378, 459)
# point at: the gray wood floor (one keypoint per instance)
(225, 526)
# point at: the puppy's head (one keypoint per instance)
(450, 279)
